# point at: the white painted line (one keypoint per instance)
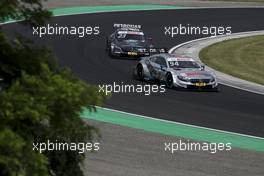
(179, 123)
(240, 88)
(169, 8)
(9, 22)
(227, 7)
(211, 37)
(103, 11)
(157, 9)
(111, 11)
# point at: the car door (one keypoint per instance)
(161, 68)
(151, 64)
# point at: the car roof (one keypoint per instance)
(129, 29)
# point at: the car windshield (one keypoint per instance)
(131, 37)
(183, 64)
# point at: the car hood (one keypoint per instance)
(133, 44)
(194, 74)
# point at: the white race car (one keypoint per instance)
(174, 71)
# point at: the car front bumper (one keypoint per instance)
(130, 54)
(189, 85)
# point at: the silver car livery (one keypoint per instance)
(175, 71)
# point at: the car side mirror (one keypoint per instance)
(162, 68)
(202, 67)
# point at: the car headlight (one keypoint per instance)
(183, 78)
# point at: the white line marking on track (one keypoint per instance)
(179, 123)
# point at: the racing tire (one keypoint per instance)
(108, 49)
(216, 89)
(139, 72)
(110, 54)
(169, 81)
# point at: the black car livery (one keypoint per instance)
(130, 41)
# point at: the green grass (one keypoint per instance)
(240, 0)
(243, 58)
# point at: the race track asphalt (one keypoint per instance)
(230, 109)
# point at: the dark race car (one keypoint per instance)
(129, 40)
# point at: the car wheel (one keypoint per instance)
(110, 52)
(169, 80)
(108, 49)
(216, 89)
(140, 72)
